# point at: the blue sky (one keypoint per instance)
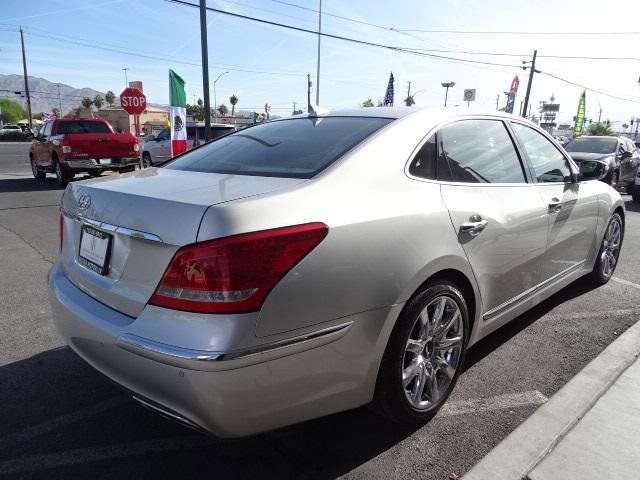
(269, 64)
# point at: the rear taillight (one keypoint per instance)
(234, 274)
(61, 232)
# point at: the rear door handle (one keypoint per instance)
(555, 205)
(474, 226)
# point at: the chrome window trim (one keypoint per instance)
(448, 121)
(193, 359)
(521, 297)
(108, 227)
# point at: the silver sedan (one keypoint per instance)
(322, 262)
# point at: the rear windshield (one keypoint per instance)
(296, 148)
(82, 126)
(592, 145)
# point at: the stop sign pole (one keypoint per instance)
(133, 101)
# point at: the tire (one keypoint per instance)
(613, 179)
(37, 173)
(398, 394)
(146, 160)
(132, 168)
(63, 176)
(609, 251)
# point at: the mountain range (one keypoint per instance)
(43, 93)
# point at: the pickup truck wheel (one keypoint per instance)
(63, 176)
(37, 173)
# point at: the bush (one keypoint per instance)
(15, 137)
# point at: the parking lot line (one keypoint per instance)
(50, 425)
(625, 282)
(499, 402)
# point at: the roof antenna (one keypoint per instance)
(317, 111)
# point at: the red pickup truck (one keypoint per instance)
(66, 146)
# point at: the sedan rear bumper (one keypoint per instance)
(234, 393)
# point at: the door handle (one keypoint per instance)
(555, 205)
(474, 226)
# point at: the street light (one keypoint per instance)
(215, 101)
(447, 85)
(126, 81)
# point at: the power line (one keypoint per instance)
(340, 37)
(600, 92)
(507, 32)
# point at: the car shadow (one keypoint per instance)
(49, 402)
(632, 206)
(505, 333)
(22, 184)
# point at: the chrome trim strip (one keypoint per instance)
(192, 359)
(108, 227)
(531, 291)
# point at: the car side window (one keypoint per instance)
(480, 151)
(46, 130)
(163, 135)
(424, 163)
(549, 164)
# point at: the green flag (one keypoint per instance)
(577, 130)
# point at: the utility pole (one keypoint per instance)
(294, 108)
(600, 115)
(204, 50)
(308, 93)
(409, 89)
(497, 101)
(318, 68)
(533, 69)
(59, 100)
(126, 80)
(26, 81)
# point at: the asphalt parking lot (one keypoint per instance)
(61, 419)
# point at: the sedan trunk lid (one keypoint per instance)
(137, 222)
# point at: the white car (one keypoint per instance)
(9, 129)
(157, 149)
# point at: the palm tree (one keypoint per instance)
(233, 100)
(86, 104)
(55, 111)
(409, 101)
(98, 101)
(367, 103)
(600, 128)
(223, 110)
(110, 97)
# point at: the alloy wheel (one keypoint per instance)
(610, 247)
(432, 352)
(59, 175)
(34, 168)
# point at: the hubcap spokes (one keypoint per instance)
(432, 352)
(611, 248)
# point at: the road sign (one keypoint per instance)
(469, 95)
(133, 101)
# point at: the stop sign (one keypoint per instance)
(133, 101)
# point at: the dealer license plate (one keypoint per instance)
(95, 247)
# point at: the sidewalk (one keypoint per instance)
(590, 429)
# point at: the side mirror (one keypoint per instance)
(626, 155)
(593, 170)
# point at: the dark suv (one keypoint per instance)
(619, 153)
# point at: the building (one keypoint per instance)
(152, 120)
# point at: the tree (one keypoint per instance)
(223, 110)
(110, 97)
(86, 103)
(11, 111)
(600, 128)
(233, 100)
(409, 101)
(367, 103)
(55, 111)
(98, 101)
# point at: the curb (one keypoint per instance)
(527, 445)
